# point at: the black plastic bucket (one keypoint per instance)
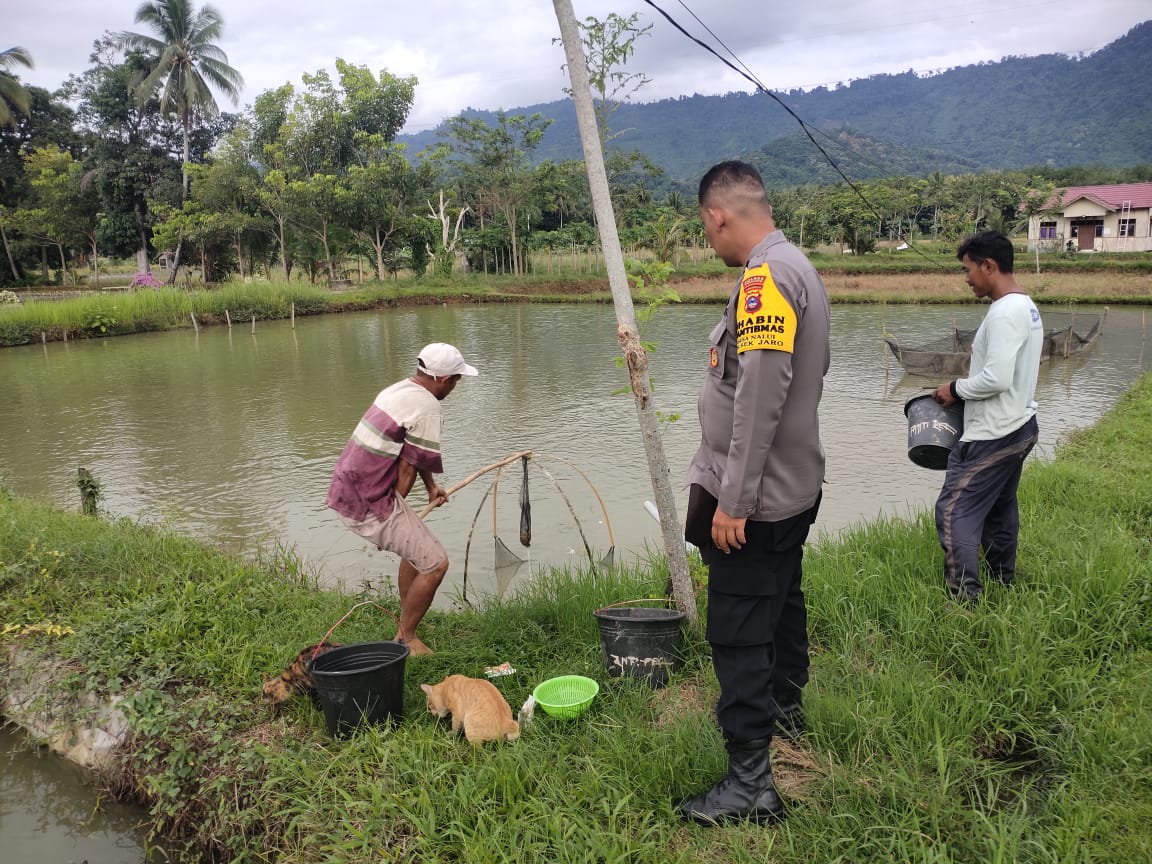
(933, 430)
(642, 643)
(359, 684)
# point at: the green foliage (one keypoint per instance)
(91, 491)
(1017, 731)
(101, 320)
(495, 164)
(13, 97)
(608, 45)
(317, 172)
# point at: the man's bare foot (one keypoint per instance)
(416, 648)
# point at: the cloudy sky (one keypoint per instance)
(499, 53)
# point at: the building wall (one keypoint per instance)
(1110, 241)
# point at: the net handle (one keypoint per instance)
(641, 600)
(320, 644)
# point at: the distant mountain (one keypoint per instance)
(1021, 111)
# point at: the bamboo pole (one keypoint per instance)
(522, 454)
(195, 326)
(294, 312)
(253, 323)
(228, 318)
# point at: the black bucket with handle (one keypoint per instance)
(359, 684)
(640, 642)
(933, 430)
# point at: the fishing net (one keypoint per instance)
(507, 562)
(525, 509)
(1061, 337)
(505, 557)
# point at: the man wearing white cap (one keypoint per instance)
(396, 440)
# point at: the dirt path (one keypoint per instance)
(943, 286)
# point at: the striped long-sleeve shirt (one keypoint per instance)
(403, 422)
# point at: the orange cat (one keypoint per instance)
(476, 706)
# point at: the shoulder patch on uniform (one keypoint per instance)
(764, 319)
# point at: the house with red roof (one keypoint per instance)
(1115, 218)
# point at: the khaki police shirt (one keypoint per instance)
(760, 453)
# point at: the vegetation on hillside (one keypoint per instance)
(1048, 110)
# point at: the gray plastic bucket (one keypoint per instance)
(641, 643)
(359, 684)
(933, 430)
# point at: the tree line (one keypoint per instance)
(132, 159)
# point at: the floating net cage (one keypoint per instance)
(1065, 334)
(507, 561)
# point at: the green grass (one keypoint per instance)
(91, 315)
(95, 314)
(1018, 731)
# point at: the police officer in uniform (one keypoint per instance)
(755, 485)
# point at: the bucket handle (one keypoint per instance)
(641, 600)
(320, 644)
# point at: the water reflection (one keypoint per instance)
(231, 436)
(49, 811)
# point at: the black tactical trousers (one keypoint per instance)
(758, 625)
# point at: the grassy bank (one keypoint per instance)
(877, 279)
(1020, 731)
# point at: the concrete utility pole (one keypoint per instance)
(626, 332)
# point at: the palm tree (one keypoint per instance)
(12, 94)
(12, 97)
(184, 60)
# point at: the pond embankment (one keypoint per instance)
(94, 314)
(1019, 730)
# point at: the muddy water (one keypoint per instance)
(231, 436)
(50, 812)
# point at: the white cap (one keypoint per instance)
(442, 360)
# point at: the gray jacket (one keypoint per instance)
(760, 453)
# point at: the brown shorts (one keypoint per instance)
(402, 533)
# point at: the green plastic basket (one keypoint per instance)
(566, 696)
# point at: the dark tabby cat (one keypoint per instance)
(295, 679)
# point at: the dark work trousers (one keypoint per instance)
(758, 625)
(977, 509)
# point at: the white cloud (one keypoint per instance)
(499, 53)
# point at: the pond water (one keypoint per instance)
(230, 436)
(50, 812)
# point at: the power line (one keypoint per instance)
(746, 73)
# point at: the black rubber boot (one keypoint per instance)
(745, 793)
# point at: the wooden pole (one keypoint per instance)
(294, 312)
(89, 491)
(195, 326)
(521, 455)
(228, 318)
(627, 334)
(253, 323)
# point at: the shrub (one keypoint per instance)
(145, 280)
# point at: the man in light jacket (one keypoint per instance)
(977, 506)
